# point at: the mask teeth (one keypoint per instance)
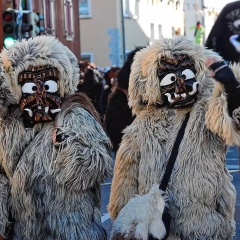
(169, 97)
(55, 110)
(29, 111)
(194, 89)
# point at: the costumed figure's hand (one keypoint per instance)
(142, 217)
(222, 73)
(235, 41)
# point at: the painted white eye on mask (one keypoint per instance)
(29, 87)
(168, 79)
(51, 86)
(188, 74)
(236, 23)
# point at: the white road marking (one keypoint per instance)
(105, 217)
(106, 183)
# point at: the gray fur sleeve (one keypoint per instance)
(84, 157)
(218, 119)
(4, 198)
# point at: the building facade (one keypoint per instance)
(60, 19)
(108, 33)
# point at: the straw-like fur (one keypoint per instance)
(202, 197)
(51, 189)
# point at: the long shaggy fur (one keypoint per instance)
(202, 197)
(141, 217)
(51, 189)
(55, 190)
(5, 193)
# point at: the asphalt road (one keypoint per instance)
(233, 167)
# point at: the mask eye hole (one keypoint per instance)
(188, 74)
(60, 138)
(29, 87)
(168, 79)
(34, 88)
(51, 86)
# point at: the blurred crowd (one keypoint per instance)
(98, 84)
(108, 90)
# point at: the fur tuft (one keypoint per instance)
(141, 217)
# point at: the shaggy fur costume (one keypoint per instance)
(201, 195)
(50, 190)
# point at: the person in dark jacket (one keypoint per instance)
(110, 74)
(90, 83)
(118, 114)
(224, 36)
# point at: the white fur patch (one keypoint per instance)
(142, 216)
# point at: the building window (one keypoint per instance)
(137, 8)
(126, 9)
(87, 57)
(68, 12)
(152, 32)
(173, 32)
(134, 9)
(160, 31)
(49, 13)
(84, 8)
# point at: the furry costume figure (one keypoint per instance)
(118, 104)
(223, 37)
(53, 151)
(162, 90)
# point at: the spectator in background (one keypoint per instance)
(198, 33)
(118, 114)
(90, 83)
(111, 73)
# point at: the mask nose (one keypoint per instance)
(40, 93)
(40, 87)
(180, 86)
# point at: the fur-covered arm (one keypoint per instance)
(83, 151)
(125, 180)
(223, 115)
(4, 199)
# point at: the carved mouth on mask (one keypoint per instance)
(184, 99)
(43, 111)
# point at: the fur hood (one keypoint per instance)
(41, 50)
(144, 85)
